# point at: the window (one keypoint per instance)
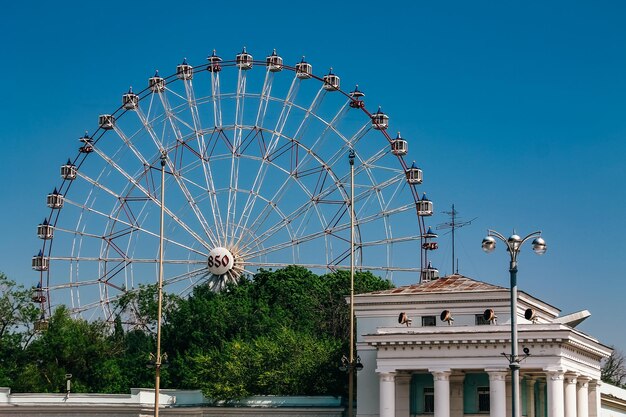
(480, 320)
(483, 399)
(429, 400)
(429, 321)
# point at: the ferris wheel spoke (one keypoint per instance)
(191, 274)
(147, 167)
(348, 144)
(216, 99)
(363, 192)
(233, 188)
(331, 230)
(148, 195)
(254, 193)
(321, 140)
(99, 185)
(264, 100)
(143, 118)
(295, 240)
(129, 260)
(285, 111)
(273, 206)
(315, 104)
(129, 228)
(313, 198)
(193, 205)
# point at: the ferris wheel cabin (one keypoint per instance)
(274, 62)
(304, 70)
(130, 100)
(106, 121)
(184, 71)
(244, 60)
(331, 81)
(430, 273)
(414, 175)
(380, 121)
(214, 63)
(45, 231)
(87, 144)
(38, 296)
(357, 96)
(54, 200)
(40, 262)
(425, 206)
(399, 147)
(156, 83)
(68, 171)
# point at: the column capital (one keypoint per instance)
(570, 377)
(583, 381)
(440, 374)
(555, 374)
(497, 374)
(595, 383)
(531, 381)
(530, 378)
(387, 376)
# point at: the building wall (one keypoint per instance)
(174, 403)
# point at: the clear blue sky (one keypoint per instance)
(516, 112)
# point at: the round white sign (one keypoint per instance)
(220, 261)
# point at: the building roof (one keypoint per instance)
(448, 284)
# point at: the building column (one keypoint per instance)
(456, 394)
(403, 394)
(497, 392)
(530, 398)
(594, 398)
(570, 394)
(555, 394)
(541, 404)
(387, 394)
(441, 380)
(582, 396)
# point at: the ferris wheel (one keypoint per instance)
(232, 167)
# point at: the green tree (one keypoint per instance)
(17, 316)
(287, 362)
(274, 334)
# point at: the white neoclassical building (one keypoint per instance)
(448, 361)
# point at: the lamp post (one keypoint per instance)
(351, 156)
(513, 244)
(158, 358)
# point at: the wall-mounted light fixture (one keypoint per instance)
(490, 316)
(446, 316)
(404, 319)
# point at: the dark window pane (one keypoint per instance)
(483, 399)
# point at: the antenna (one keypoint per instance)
(454, 224)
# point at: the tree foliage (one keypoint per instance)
(282, 333)
(614, 369)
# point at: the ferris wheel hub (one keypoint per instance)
(220, 261)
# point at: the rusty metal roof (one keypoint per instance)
(447, 284)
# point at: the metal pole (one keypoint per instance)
(157, 364)
(514, 364)
(453, 227)
(351, 366)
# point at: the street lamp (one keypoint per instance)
(513, 244)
